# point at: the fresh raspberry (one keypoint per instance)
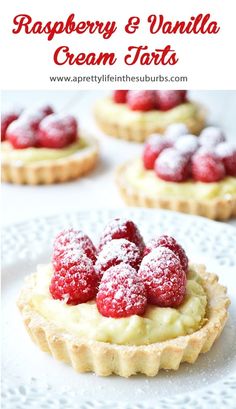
(120, 96)
(170, 243)
(70, 243)
(164, 278)
(121, 293)
(211, 136)
(21, 135)
(166, 100)
(141, 100)
(227, 152)
(174, 131)
(76, 284)
(172, 166)
(6, 119)
(35, 115)
(207, 168)
(116, 252)
(187, 144)
(122, 229)
(153, 147)
(57, 131)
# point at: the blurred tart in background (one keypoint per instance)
(134, 115)
(185, 173)
(42, 147)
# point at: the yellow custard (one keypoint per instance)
(111, 111)
(156, 325)
(31, 155)
(147, 182)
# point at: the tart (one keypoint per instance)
(41, 147)
(134, 115)
(123, 318)
(183, 173)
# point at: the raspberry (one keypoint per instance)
(74, 241)
(122, 229)
(207, 168)
(6, 119)
(116, 252)
(34, 116)
(211, 136)
(120, 96)
(57, 131)
(121, 293)
(187, 144)
(164, 278)
(21, 135)
(172, 166)
(227, 152)
(170, 243)
(76, 284)
(153, 147)
(174, 131)
(166, 100)
(141, 100)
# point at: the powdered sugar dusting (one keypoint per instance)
(225, 149)
(122, 229)
(21, 130)
(174, 131)
(211, 136)
(170, 161)
(121, 293)
(164, 277)
(187, 144)
(116, 252)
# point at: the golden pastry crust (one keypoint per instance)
(219, 208)
(139, 132)
(53, 171)
(105, 359)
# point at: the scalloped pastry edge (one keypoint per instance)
(105, 359)
(139, 132)
(217, 209)
(52, 171)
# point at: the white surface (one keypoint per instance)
(207, 60)
(98, 188)
(32, 379)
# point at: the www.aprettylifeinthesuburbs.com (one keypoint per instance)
(99, 79)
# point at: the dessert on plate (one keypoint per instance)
(182, 172)
(123, 307)
(43, 147)
(134, 115)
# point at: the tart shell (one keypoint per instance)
(216, 209)
(105, 359)
(52, 171)
(139, 132)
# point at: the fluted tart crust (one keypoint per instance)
(124, 360)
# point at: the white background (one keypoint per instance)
(97, 189)
(208, 60)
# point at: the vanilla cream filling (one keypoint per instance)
(149, 184)
(156, 325)
(31, 155)
(112, 111)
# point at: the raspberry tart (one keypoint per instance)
(123, 308)
(185, 173)
(134, 115)
(42, 147)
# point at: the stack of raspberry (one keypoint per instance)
(39, 127)
(123, 275)
(178, 156)
(150, 100)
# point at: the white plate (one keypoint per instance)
(32, 379)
